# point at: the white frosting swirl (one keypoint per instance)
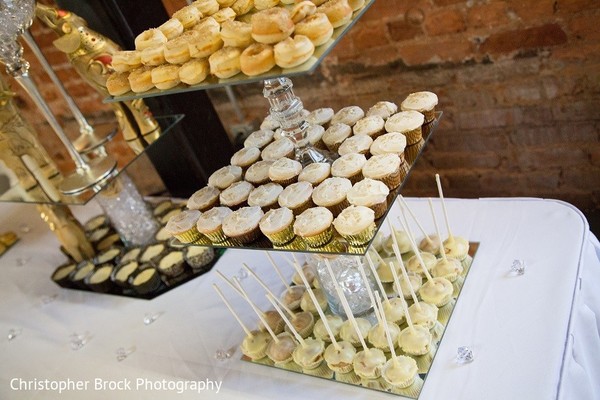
(224, 177)
(284, 169)
(369, 125)
(348, 165)
(212, 219)
(320, 116)
(393, 142)
(368, 192)
(295, 195)
(331, 191)
(353, 220)
(315, 173)
(336, 133)
(203, 197)
(258, 172)
(383, 108)
(348, 115)
(313, 221)
(245, 156)
(355, 144)
(275, 220)
(381, 166)
(183, 221)
(265, 195)
(420, 101)
(404, 121)
(236, 193)
(278, 149)
(314, 133)
(259, 138)
(242, 221)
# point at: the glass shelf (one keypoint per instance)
(240, 79)
(37, 195)
(339, 245)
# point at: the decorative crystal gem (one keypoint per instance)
(464, 355)
(518, 267)
(223, 355)
(150, 318)
(123, 353)
(13, 333)
(49, 299)
(21, 261)
(78, 340)
(242, 274)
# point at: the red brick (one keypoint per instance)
(458, 181)
(581, 178)
(447, 2)
(524, 39)
(532, 11)
(471, 141)
(491, 118)
(585, 27)
(581, 52)
(460, 159)
(488, 16)
(370, 37)
(548, 179)
(444, 22)
(401, 30)
(450, 50)
(557, 156)
(573, 6)
(575, 111)
(594, 154)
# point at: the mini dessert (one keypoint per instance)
(278, 149)
(369, 193)
(281, 352)
(390, 143)
(309, 355)
(270, 123)
(257, 59)
(242, 225)
(315, 27)
(188, 16)
(384, 168)
(225, 3)
(224, 177)
(314, 226)
(198, 257)
(109, 256)
(82, 270)
(125, 61)
(265, 196)
(309, 274)
(292, 297)
(206, 7)
(306, 303)
(145, 280)
(302, 10)
(258, 173)
(315, 173)
(349, 334)
(356, 224)
(162, 235)
(245, 157)
(414, 280)
(95, 223)
(423, 102)
(225, 63)
(335, 135)
(264, 4)
(204, 199)
(424, 314)
(153, 56)
(348, 115)
(98, 234)
(150, 38)
(172, 264)
(400, 372)
(403, 243)
(272, 25)
(260, 138)
(377, 336)
(61, 274)
(224, 14)
(109, 241)
(407, 123)
(194, 71)
(161, 208)
(335, 324)
(165, 76)
(415, 340)
(183, 226)
(431, 244)
(359, 144)
(372, 126)
(338, 12)
(236, 34)
(206, 42)
(255, 346)
(171, 29)
(285, 171)
(368, 363)
(297, 197)
(291, 52)
(277, 226)
(303, 322)
(242, 7)
(349, 166)
(177, 51)
(117, 84)
(164, 219)
(356, 5)
(393, 310)
(208, 24)
(99, 280)
(437, 291)
(384, 109)
(457, 248)
(314, 135)
(140, 80)
(413, 264)
(331, 193)
(210, 224)
(449, 269)
(320, 116)
(273, 320)
(153, 253)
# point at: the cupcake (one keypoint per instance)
(383, 109)
(260, 138)
(258, 173)
(265, 196)
(315, 173)
(372, 126)
(320, 116)
(314, 135)
(384, 168)
(335, 324)
(437, 291)
(99, 280)
(111, 255)
(285, 171)
(183, 226)
(349, 334)
(356, 224)
(356, 144)
(414, 265)
(224, 177)
(61, 274)
(407, 123)
(198, 257)
(415, 340)
(331, 193)
(401, 372)
(162, 208)
(309, 355)
(242, 225)
(314, 226)
(210, 224)
(339, 358)
(236, 195)
(153, 253)
(348, 115)
(204, 199)
(120, 275)
(171, 264)
(145, 280)
(245, 157)
(169, 214)
(280, 352)
(370, 193)
(423, 102)
(297, 197)
(255, 346)
(281, 148)
(390, 143)
(378, 336)
(349, 166)
(335, 135)
(277, 226)
(269, 123)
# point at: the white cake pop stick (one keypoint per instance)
(374, 272)
(412, 290)
(260, 281)
(388, 334)
(257, 311)
(317, 306)
(441, 193)
(363, 275)
(414, 217)
(346, 307)
(414, 246)
(437, 229)
(405, 307)
(231, 285)
(277, 270)
(287, 321)
(248, 331)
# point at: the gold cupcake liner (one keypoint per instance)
(295, 244)
(429, 115)
(401, 385)
(413, 136)
(334, 246)
(362, 237)
(320, 239)
(393, 180)
(357, 249)
(282, 237)
(321, 371)
(202, 240)
(411, 391)
(247, 237)
(411, 152)
(303, 207)
(189, 236)
(217, 236)
(348, 376)
(379, 209)
(445, 311)
(336, 209)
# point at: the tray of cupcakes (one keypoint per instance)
(389, 348)
(266, 200)
(135, 271)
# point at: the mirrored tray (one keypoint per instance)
(424, 362)
(339, 245)
(38, 196)
(213, 82)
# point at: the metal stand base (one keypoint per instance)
(93, 177)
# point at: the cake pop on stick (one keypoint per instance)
(281, 353)
(377, 280)
(277, 270)
(429, 244)
(413, 264)
(248, 331)
(363, 275)
(256, 310)
(303, 321)
(260, 281)
(288, 323)
(441, 194)
(446, 267)
(392, 308)
(416, 280)
(455, 246)
(377, 334)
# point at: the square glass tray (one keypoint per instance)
(240, 79)
(412, 392)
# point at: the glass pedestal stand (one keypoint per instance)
(287, 109)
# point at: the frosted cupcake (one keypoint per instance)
(423, 102)
(320, 116)
(349, 166)
(331, 193)
(335, 135)
(224, 177)
(270, 123)
(407, 123)
(258, 173)
(277, 226)
(356, 225)
(314, 135)
(245, 157)
(283, 147)
(390, 143)
(210, 224)
(356, 144)
(348, 115)
(370, 193)
(260, 138)
(242, 225)
(384, 168)
(236, 195)
(315, 173)
(285, 171)
(183, 226)
(297, 197)
(383, 109)
(314, 226)
(265, 196)
(372, 126)
(204, 199)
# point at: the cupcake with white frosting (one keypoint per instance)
(297, 197)
(315, 173)
(356, 144)
(320, 116)
(210, 224)
(278, 226)
(348, 115)
(423, 102)
(260, 138)
(224, 177)
(281, 148)
(370, 193)
(408, 123)
(314, 226)
(372, 126)
(314, 135)
(265, 196)
(335, 135)
(390, 143)
(204, 199)
(349, 166)
(384, 168)
(356, 224)
(285, 171)
(331, 193)
(236, 195)
(383, 109)
(183, 226)
(258, 173)
(242, 225)
(245, 157)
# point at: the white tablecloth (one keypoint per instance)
(535, 336)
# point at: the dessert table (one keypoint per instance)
(533, 336)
